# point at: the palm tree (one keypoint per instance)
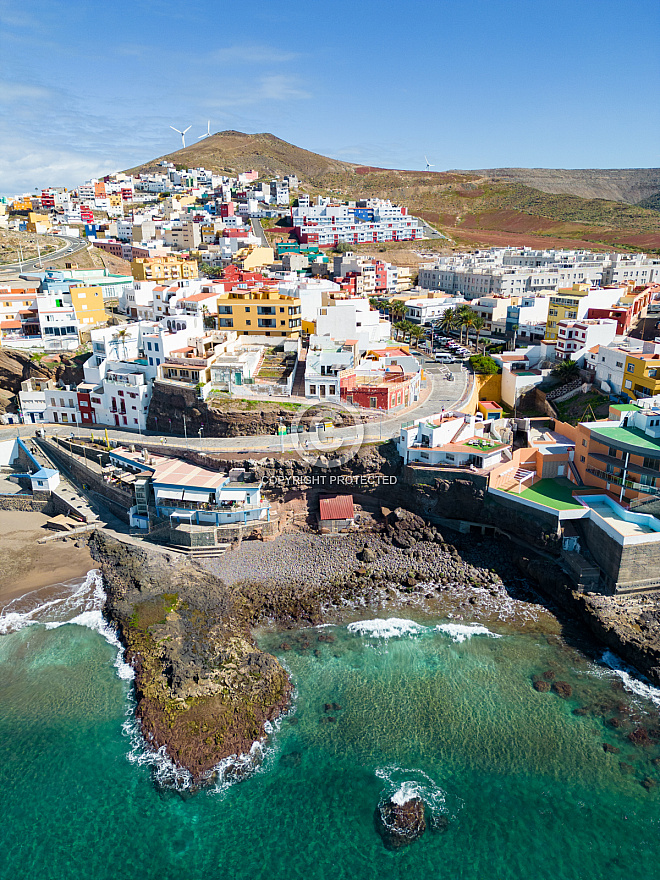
(566, 371)
(448, 320)
(416, 333)
(462, 314)
(478, 325)
(121, 336)
(468, 322)
(397, 308)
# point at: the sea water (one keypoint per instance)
(518, 784)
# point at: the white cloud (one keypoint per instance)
(270, 88)
(24, 167)
(13, 91)
(252, 53)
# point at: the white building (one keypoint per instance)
(352, 319)
(453, 440)
(326, 359)
(574, 338)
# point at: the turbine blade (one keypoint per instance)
(174, 129)
(187, 129)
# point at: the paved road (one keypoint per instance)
(443, 393)
(258, 230)
(72, 246)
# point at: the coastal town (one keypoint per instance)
(246, 392)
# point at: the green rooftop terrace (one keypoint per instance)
(631, 438)
(557, 494)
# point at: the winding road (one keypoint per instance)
(72, 246)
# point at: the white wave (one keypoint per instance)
(165, 772)
(632, 681)
(386, 629)
(406, 792)
(402, 784)
(86, 599)
(460, 632)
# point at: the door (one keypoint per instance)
(116, 420)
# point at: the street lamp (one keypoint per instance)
(201, 428)
(185, 430)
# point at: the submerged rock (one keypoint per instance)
(562, 689)
(400, 822)
(541, 686)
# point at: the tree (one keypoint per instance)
(120, 337)
(448, 320)
(484, 364)
(566, 370)
(478, 325)
(397, 309)
(400, 328)
(416, 333)
(463, 314)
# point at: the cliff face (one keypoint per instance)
(204, 690)
(16, 367)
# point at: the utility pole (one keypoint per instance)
(185, 431)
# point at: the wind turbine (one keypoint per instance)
(428, 164)
(208, 132)
(182, 133)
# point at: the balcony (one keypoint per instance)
(619, 481)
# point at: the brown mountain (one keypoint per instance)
(537, 207)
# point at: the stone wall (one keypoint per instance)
(630, 568)
(26, 502)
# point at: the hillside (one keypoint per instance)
(631, 185)
(535, 207)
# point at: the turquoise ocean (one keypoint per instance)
(437, 708)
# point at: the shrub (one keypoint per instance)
(484, 364)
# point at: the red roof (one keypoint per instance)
(10, 325)
(337, 507)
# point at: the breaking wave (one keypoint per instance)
(80, 604)
(403, 784)
(631, 678)
(460, 632)
(386, 629)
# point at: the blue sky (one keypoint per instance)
(87, 88)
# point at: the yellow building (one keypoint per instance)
(263, 312)
(38, 223)
(254, 258)
(167, 268)
(564, 306)
(641, 376)
(87, 301)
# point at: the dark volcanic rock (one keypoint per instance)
(613, 749)
(541, 686)
(400, 824)
(204, 689)
(562, 689)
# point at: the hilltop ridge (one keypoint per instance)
(539, 207)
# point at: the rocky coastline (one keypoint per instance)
(204, 689)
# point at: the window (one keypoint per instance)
(584, 442)
(373, 402)
(612, 451)
(631, 368)
(312, 389)
(582, 458)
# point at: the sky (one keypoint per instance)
(89, 88)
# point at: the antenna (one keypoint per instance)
(208, 132)
(182, 133)
(428, 164)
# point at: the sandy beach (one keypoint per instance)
(26, 565)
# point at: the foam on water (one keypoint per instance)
(632, 680)
(403, 784)
(85, 598)
(460, 632)
(392, 627)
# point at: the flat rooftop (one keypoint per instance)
(557, 494)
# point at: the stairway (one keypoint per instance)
(298, 389)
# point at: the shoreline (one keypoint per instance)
(27, 567)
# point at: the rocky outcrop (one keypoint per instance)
(16, 367)
(400, 822)
(204, 690)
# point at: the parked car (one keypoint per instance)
(444, 359)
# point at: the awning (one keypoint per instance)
(195, 495)
(232, 495)
(169, 494)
